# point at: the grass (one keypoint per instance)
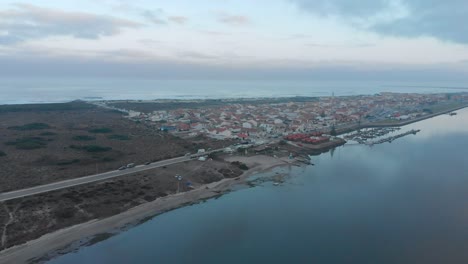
(83, 138)
(102, 130)
(119, 137)
(28, 143)
(31, 126)
(91, 148)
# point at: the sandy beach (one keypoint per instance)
(67, 239)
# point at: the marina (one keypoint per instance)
(392, 138)
(375, 136)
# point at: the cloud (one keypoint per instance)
(343, 45)
(26, 22)
(196, 55)
(178, 19)
(236, 20)
(345, 8)
(153, 16)
(443, 20)
(107, 66)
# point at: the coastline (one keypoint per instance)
(69, 239)
(352, 128)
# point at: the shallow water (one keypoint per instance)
(404, 202)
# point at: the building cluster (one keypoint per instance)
(261, 121)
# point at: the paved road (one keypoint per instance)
(87, 179)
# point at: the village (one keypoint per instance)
(317, 117)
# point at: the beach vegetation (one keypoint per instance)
(101, 130)
(28, 143)
(31, 126)
(48, 133)
(118, 137)
(68, 162)
(91, 148)
(83, 138)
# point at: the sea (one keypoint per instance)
(402, 202)
(50, 90)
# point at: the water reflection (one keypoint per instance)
(404, 202)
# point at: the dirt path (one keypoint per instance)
(5, 227)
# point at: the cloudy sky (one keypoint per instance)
(408, 39)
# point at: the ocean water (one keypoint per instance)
(400, 202)
(42, 90)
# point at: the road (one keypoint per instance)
(92, 178)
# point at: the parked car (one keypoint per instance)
(130, 165)
(123, 168)
(148, 163)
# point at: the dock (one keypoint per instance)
(390, 139)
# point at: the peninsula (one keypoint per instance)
(70, 172)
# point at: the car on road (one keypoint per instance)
(130, 165)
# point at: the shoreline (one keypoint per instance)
(71, 238)
(352, 128)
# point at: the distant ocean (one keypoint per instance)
(45, 90)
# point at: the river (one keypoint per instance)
(399, 202)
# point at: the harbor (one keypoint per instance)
(375, 136)
(392, 138)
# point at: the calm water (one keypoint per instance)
(404, 202)
(39, 90)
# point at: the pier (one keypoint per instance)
(390, 139)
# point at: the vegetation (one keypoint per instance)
(119, 137)
(2, 154)
(107, 159)
(45, 107)
(68, 162)
(102, 130)
(241, 165)
(48, 133)
(91, 148)
(65, 213)
(28, 143)
(31, 126)
(176, 104)
(83, 138)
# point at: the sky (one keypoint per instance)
(240, 39)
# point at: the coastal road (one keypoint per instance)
(92, 178)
